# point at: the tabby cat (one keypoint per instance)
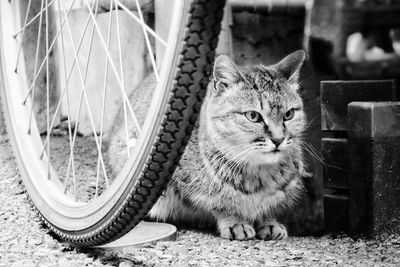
(244, 161)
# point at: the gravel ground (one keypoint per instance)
(24, 241)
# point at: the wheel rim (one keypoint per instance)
(62, 210)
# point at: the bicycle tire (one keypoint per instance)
(192, 65)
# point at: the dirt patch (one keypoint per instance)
(24, 241)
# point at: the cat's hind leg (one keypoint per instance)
(271, 230)
(168, 207)
(172, 208)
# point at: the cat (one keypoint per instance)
(244, 161)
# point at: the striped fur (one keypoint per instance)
(231, 174)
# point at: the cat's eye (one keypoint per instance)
(288, 115)
(253, 116)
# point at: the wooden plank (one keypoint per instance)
(336, 95)
(334, 156)
(374, 168)
(336, 213)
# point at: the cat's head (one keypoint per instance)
(255, 113)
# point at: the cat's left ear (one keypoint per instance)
(290, 66)
(225, 72)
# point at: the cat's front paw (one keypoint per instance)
(272, 230)
(238, 232)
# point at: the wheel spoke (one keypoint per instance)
(71, 158)
(48, 92)
(138, 20)
(23, 35)
(47, 55)
(71, 154)
(68, 105)
(123, 79)
(146, 37)
(42, 67)
(39, 35)
(82, 79)
(43, 9)
(113, 68)
(104, 98)
(64, 91)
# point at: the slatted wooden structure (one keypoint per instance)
(361, 151)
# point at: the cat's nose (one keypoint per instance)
(277, 141)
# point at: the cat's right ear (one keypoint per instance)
(290, 66)
(225, 72)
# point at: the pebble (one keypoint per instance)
(125, 264)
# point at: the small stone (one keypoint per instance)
(125, 264)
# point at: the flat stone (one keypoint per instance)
(144, 232)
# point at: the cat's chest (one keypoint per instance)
(251, 194)
(264, 183)
(252, 205)
(263, 179)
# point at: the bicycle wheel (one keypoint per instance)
(66, 175)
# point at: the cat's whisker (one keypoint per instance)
(233, 164)
(237, 155)
(312, 152)
(308, 125)
(315, 157)
(319, 158)
(239, 163)
(203, 172)
(300, 83)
